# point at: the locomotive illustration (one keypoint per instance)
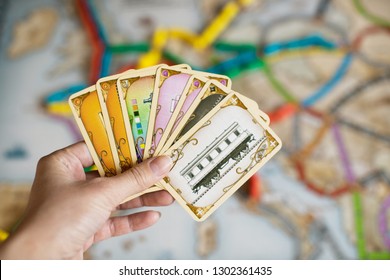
(218, 158)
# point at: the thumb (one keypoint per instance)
(137, 178)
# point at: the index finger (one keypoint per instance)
(72, 158)
(80, 151)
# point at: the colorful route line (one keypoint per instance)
(313, 40)
(356, 91)
(300, 155)
(56, 105)
(245, 59)
(97, 44)
(359, 225)
(332, 82)
(363, 35)
(360, 235)
(357, 202)
(370, 16)
(384, 228)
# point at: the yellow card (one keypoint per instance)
(113, 117)
(88, 114)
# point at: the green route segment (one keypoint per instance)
(360, 234)
(370, 16)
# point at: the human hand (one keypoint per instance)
(69, 210)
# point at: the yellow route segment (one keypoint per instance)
(220, 23)
(199, 42)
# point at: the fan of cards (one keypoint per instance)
(217, 138)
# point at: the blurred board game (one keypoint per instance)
(319, 68)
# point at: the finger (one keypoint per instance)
(136, 179)
(125, 224)
(159, 198)
(70, 160)
(92, 174)
(79, 151)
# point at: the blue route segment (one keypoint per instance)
(63, 94)
(100, 28)
(314, 40)
(332, 82)
(233, 63)
(106, 62)
(243, 59)
(106, 58)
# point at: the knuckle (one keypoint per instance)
(100, 181)
(139, 176)
(63, 159)
(45, 161)
(66, 158)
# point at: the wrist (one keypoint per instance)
(23, 244)
(18, 247)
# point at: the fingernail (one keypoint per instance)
(161, 165)
(158, 216)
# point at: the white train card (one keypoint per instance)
(218, 154)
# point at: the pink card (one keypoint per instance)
(198, 85)
(168, 97)
(168, 90)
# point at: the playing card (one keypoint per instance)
(216, 137)
(135, 96)
(218, 154)
(169, 85)
(187, 97)
(210, 95)
(192, 88)
(225, 80)
(87, 112)
(255, 106)
(113, 117)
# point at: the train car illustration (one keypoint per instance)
(227, 149)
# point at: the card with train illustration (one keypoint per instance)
(218, 154)
(216, 137)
